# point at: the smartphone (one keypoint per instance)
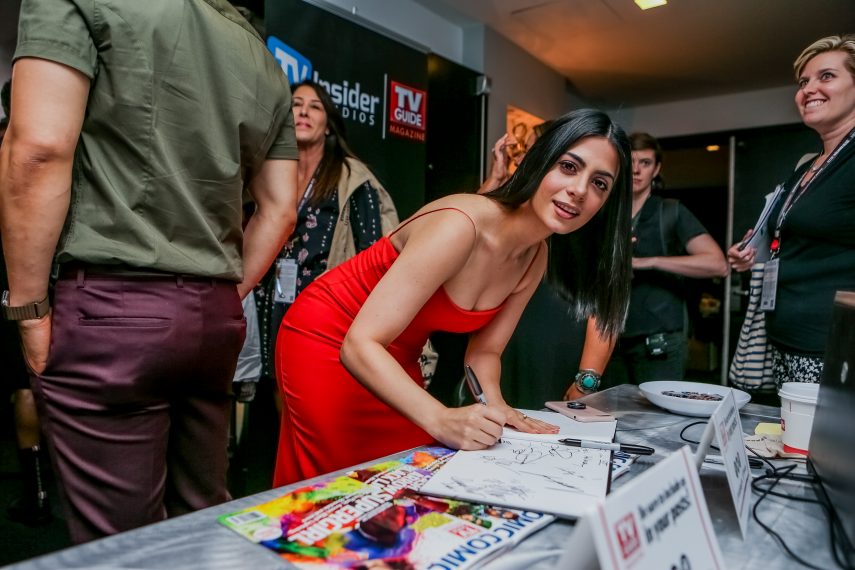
(586, 414)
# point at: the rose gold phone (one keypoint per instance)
(580, 414)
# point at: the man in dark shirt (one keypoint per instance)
(137, 128)
(654, 343)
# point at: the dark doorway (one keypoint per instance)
(698, 177)
(695, 170)
(455, 142)
(455, 135)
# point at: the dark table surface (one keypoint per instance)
(196, 540)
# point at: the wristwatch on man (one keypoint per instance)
(587, 381)
(34, 310)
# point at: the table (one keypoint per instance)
(197, 541)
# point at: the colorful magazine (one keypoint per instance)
(374, 518)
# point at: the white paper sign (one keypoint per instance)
(657, 520)
(728, 432)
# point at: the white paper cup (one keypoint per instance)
(798, 404)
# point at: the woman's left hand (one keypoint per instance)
(519, 421)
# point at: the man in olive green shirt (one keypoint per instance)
(137, 127)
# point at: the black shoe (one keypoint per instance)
(30, 513)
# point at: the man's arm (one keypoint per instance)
(274, 189)
(704, 259)
(49, 102)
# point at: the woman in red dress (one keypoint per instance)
(347, 352)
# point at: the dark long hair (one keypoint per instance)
(336, 149)
(590, 267)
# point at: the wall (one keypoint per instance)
(763, 108)
(517, 78)
(409, 20)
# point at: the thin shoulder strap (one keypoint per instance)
(413, 218)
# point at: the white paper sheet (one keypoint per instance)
(529, 475)
(532, 471)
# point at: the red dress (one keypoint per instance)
(330, 420)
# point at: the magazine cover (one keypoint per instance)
(374, 518)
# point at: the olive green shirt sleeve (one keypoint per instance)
(285, 144)
(57, 30)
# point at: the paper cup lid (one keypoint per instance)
(799, 391)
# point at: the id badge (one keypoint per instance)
(286, 281)
(770, 285)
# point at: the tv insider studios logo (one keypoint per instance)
(407, 111)
(407, 105)
(351, 99)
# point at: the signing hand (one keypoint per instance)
(470, 427)
(35, 341)
(744, 259)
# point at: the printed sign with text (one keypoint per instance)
(728, 431)
(659, 520)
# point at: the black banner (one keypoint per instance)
(379, 85)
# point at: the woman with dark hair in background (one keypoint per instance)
(342, 210)
(813, 227)
(347, 354)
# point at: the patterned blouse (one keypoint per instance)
(309, 245)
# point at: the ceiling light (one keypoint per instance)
(713, 147)
(647, 4)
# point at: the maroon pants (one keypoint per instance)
(135, 398)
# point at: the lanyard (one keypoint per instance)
(800, 190)
(288, 248)
(306, 195)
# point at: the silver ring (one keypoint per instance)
(525, 417)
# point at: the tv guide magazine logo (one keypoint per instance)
(407, 111)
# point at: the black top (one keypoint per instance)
(656, 302)
(817, 256)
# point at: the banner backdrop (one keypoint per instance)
(379, 85)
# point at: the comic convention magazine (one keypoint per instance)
(375, 518)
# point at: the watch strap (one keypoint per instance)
(34, 310)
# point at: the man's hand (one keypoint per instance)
(35, 341)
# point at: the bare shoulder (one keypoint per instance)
(457, 216)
